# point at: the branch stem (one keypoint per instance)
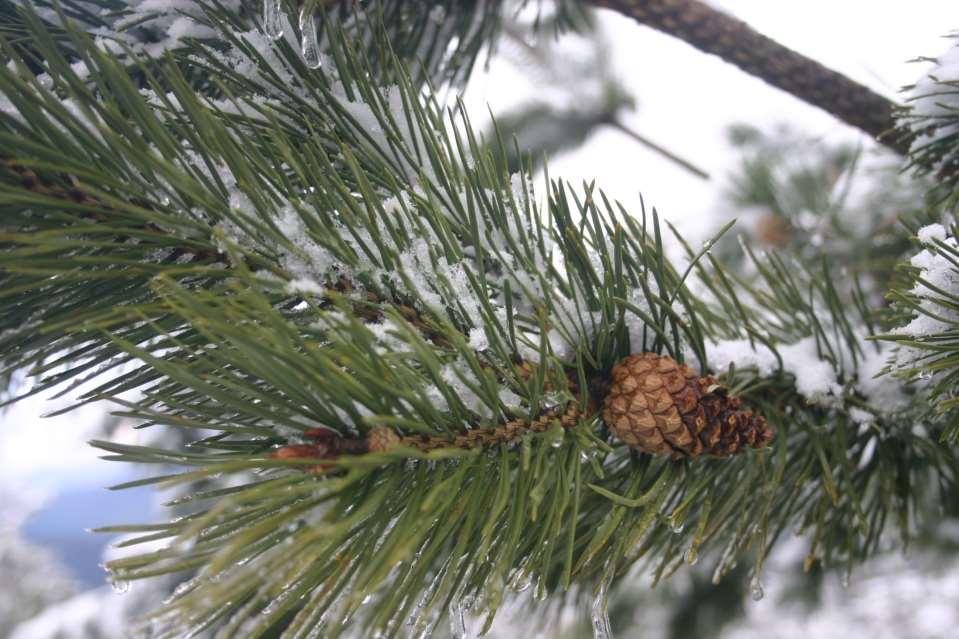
(718, 33)
(666, 153)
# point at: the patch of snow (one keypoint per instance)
(937, 272)
(815, 377)
(934, 113)
(928, 234)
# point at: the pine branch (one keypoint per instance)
(713, 31)
(661, 150)
(323, 172)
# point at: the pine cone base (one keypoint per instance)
(662, 407)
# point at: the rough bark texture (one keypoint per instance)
(734, 41)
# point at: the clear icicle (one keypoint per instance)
(273, 18)
(310, 42)
(457, 620)
(600, 613)
(120, 586)
(756, 589)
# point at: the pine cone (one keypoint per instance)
(381, 439)
(773, 230)
(662, 407)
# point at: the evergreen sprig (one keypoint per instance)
(929, 121)
(307, 248)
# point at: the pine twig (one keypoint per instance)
(713, 31)
(666, 153)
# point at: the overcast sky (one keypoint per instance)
(687, 98)
(685, 101)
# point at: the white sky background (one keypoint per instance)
(686, 99)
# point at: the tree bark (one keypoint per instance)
(734, 41)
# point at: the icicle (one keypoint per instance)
(844, 580)
(457, 620)
(600, 613)
(756, 589)
(310, 43)
(120, 586)
(521, 582)
(273, 18)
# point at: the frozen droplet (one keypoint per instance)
(691, 556)
(756, 589)
(521, 582)
(600, 613)
(438, 14)
(540, 591)
(120, 586)
(555, 436)
(457, 619)
(273, 18)
(718, 574)
(309, 40)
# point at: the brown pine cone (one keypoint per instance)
(662, 407)
(773, 230)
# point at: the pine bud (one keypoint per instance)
(382, 439)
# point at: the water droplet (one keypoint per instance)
(925, 375)
(521, 582)
(756, 589)
(120, 586)
(310, 41)
(367, 599)
(678, 528)
(844, 580)
(600, 613)
(540, 591)
(273, 18)
(555, 436)
(438, 14)
(708, 244)
(717, 575)
(691, 556)
(457, 620)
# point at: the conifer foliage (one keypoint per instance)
(261, 224)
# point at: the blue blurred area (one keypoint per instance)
(63, 524)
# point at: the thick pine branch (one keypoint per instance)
(734, 41)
